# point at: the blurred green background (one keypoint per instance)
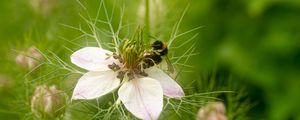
(252, 45)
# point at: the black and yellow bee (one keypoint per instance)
(154, 56)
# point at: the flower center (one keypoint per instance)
(130, 72)
(131, 55)
(132, 50)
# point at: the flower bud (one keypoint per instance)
(212, 111)
(48, 102)
(4, 82)
(29, 59)
(43, 7)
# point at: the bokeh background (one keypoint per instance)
(251, 47)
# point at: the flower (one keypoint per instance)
(212, 111)
(48, 102)
(141, 91)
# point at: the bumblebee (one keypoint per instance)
(159, 48)
(154, 57)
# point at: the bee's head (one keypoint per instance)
(158, 45)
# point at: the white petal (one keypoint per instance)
(92, 59)
(170, 86)
(143, 97)
(95, 84)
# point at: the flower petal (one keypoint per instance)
(170, 86)
(95, 84)
(143, 97)
(92, 59)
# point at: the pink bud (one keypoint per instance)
(48, 102)
(212, 111)
(43, 7)
(4, 82)
(29, 59)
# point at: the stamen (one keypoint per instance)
(121, 75)
(114, 67)
(118, 57)
(130, 75)
(143, 73)
(140, 71)
(108, 56)
(121, 60)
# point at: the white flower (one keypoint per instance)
(141, 95)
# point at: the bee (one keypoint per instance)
(154, 57)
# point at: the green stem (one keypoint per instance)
(147, 21)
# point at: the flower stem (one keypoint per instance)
(147, 21)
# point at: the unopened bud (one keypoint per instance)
(29, 59)
(212, 111)
(43, 7)
(48, 102)
(4, 82)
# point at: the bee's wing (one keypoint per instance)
(168, 67)
(171, 68)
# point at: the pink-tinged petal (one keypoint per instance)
(143, 97)
(170, 87)
(95, 84)
(92, 59)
